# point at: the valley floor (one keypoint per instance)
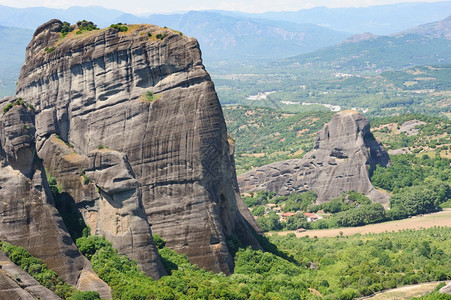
(442, 218)
(406, 292)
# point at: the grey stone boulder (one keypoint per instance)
(15, 283)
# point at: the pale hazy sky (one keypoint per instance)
(158, 6)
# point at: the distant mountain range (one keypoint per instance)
(426, 44)
(380, 19)
(237, 39)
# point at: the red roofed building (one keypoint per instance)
(286, 215)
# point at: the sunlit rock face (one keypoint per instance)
(344, 153)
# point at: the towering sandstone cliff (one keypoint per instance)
(131, 127)
(344, 153)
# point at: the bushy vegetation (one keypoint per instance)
(160, 36)
(120, 27)
(435, 295)
(39, 271)
(85, 26)
(433, 132)
(420, 184)
(362, 265)
(128, 282)
(18, 101)
(66, 28)
(49, 50)
(150, 97)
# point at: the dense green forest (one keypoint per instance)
(291, 268)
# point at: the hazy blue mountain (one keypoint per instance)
(381, 19)
(424, 45)
(13, 42)
(35, 16)
(240, 40)
(441, 29)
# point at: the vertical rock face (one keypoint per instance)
(28, 216)
(152, 105)
(344, 153)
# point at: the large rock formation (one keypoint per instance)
(344, 153)
(28, 216)
(131, 127)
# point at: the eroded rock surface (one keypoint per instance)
(28, 216)
(151, 102)
(17, 284)
(344, 153)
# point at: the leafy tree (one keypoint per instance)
(159, 241)
(269, 222)
(258, 211)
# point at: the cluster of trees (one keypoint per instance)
(420, 184)
(435, 133)
(18, 101)
(86, 26)
(349, 210)
(66, 28)
(120, 27)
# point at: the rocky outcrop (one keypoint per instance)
(28, 216)
(446, 289)
(17, 284)
(344, 153)
(145, 96)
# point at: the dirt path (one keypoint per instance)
(442, 218)
(405, 292)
